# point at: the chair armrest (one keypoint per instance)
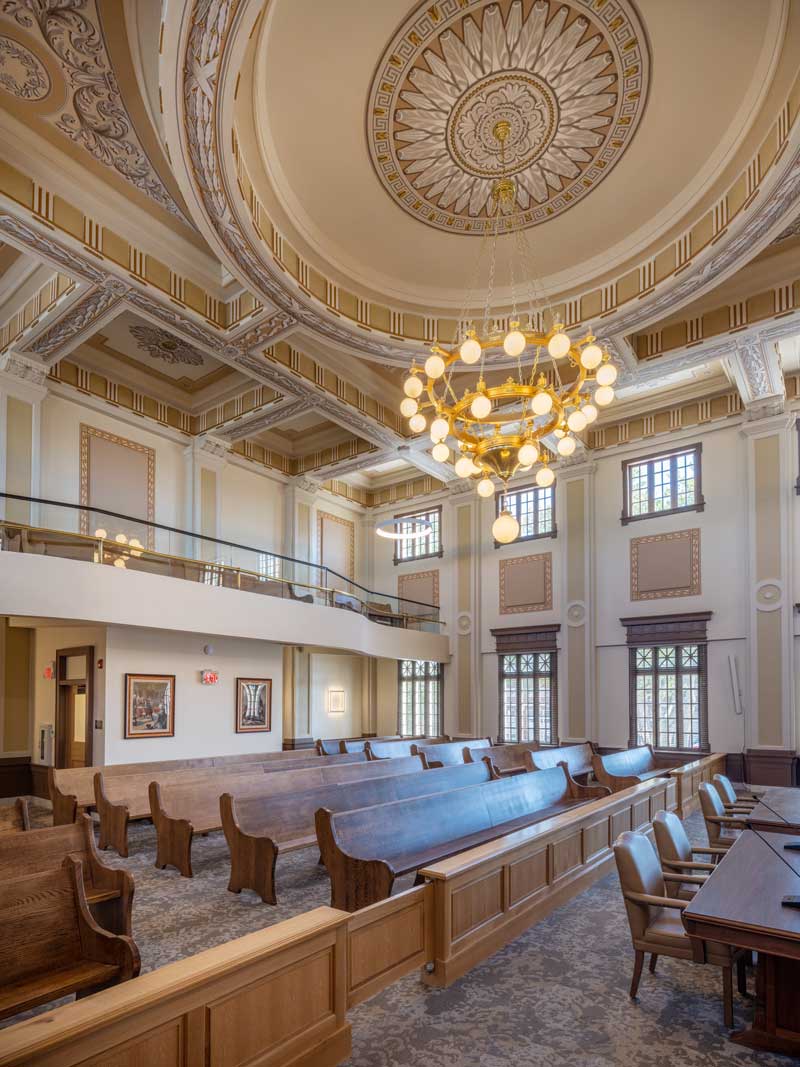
(656, 902)
(725, 820)
(690, 865)
(740, 807)
(709, 850)
(695, 879)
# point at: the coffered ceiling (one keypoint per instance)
(249, 217)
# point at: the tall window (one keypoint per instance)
(528, 697)
(662, 484)
(418, 547)
(668, 695)
(269, 566)
(534, 510)
(420, 698)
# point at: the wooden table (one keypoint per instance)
(777, 812)
(740, 905)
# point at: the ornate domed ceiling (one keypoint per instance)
(570, 82)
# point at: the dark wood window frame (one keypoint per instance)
(652, 631)
(62, 684)
(528, 640)
(429, 678)
(500, 497)
(698, 505)
(419, 513)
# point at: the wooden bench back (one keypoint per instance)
(44, 850)
(504, 757)
(629, 761)
(292, 815)
(418, 824)
(198, 802)
(79, 781)
(132, 790)
(358, 744)
(358, 772)
(449, 754)
(39, 928)
(14, 817)
(578, 758)
(394, 749)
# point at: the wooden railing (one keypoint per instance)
(688, 778)
(278, 997)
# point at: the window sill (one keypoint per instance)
(532, 537)
(625, 520)
(417, 559)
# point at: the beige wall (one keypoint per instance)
(336, 672)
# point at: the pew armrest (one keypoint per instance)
(579, 791)
(656, 902)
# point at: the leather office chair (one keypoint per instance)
(675, 850)
(732, 800)
(722, 827)
(655, 919)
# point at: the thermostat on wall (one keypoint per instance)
(209, 677)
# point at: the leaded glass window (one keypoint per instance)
(419, 698)
(534, 510)
(668, 696)
(669, 482)
(528, 704)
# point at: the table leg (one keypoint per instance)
(776, 1024)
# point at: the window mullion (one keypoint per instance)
(673, 484)
(656, 672)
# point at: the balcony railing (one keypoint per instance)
(107, 538)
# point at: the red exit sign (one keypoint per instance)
(209, 677)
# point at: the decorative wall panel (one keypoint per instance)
(337, 543)
(526, 584)
(665, 565)
(117, 475)
(422, 586)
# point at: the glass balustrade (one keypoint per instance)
(73, 531)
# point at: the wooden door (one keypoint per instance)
(74, 706)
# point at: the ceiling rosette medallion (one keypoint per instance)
(570, 80)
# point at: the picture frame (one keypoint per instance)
(149, 705)
(253, 705)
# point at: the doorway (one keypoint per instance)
(74, 707)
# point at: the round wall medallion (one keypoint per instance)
(22, 74)
(769, 595)
(576, 613)
(569, 79)
(464, 623)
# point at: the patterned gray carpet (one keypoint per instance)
(556, 995)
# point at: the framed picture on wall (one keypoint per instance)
(149, 705)
(253, 705)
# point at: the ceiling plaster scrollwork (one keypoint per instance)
(161, 345)
(570, 80)
(96, 119)
(22, 74)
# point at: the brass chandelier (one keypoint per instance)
(524, 421)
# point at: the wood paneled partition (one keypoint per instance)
(273, 997)
(688, 778)
(486, 897)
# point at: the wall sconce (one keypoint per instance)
(336, 702)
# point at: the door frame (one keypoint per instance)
(60, 747)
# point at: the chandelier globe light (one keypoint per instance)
(502, 423)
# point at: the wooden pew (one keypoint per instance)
(257, 828)
(50, 946)
(109, 890)
(620, 770)
(330, 746)
(124, 799)
(180, 811)
(449, 754)
(72, 788)
(578, 759)
(376, 749)
(15, 817)
(505, 759)
(366, 849)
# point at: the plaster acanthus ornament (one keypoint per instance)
(305, 484)
(22, 74)
(24, 369)
(274, 414)
(570, 79)
(210, 445)
(163, 345)
(80, 318)
(96, 118)
(266, 330)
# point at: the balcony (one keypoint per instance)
(68, 561)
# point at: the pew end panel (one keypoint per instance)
(580, 790)
(116, 950)
(355, 883)
(65, 805)
(114, 913)
(487, 896)
(209, 1008)
(114, 818)
(253, 858)
(173, 836)
(15, 818)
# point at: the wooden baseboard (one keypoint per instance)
(15, 776)
(40, 781)
(291, 743)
